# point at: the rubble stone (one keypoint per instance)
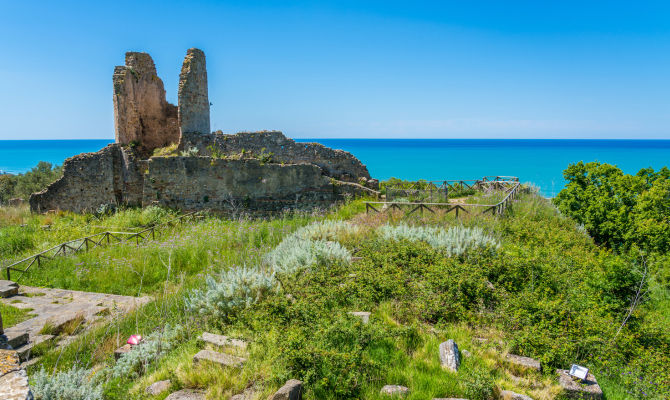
(395, 391)
(449, 357)
(292, 390)
(576, 389)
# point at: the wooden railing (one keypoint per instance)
(91, 242)
(510, 186)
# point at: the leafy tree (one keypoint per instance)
(7, 185)
(617, 209)
(36, 179)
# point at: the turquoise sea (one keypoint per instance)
(538, 161)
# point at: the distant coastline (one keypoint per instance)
(540, 161)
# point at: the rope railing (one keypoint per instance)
(90, 242)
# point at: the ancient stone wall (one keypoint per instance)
(141, 113)
(193, 97)
(195, 183)
(338, 164)
(110, 176)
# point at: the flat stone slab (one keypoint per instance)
(449, 357)
(222, 341)
(509, 395)
(157, 387)
(59, 306)
(524, 362)
(576, 389)
(223, 359)
(292, 390)
(363, 315)
(187, 394)
(394, 390)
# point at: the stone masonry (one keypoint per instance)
(338, 164)
(255, 172)
(193, 98)
(141, 113)
(109, 176)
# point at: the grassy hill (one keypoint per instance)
(531, 282)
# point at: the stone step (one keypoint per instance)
(8, 288)
(30, 362)
(223, 359)
(24, 351)
(16, 338)
(524, 362)
(222, 341)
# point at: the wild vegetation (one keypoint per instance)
(23, 185)
(532, 282)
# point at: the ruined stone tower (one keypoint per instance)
(193, 98)
(141, 113)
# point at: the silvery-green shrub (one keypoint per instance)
(154, 346)
(455, 241)
(328, 230)
(233, 289)
(72, 384)
(311, 245)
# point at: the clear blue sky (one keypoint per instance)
(466, 69)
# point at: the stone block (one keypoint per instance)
(222, 359)
(509, 395)
(394, 391)
(449, 356)
(222, 341)
(575, 389)
(363, 315)
(8, 289)
(16, 338)
(187, 394)
(157, 388)
(292, 390)
(122, 350)
(524, 362)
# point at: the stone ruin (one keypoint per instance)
(248, 171)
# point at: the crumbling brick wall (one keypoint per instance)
(142, 115)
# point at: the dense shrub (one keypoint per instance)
(73, 384)
(309, 246)
(231, 291)
(453, 242)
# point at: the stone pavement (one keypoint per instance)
(57, 308)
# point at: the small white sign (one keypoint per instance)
(579, 372)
